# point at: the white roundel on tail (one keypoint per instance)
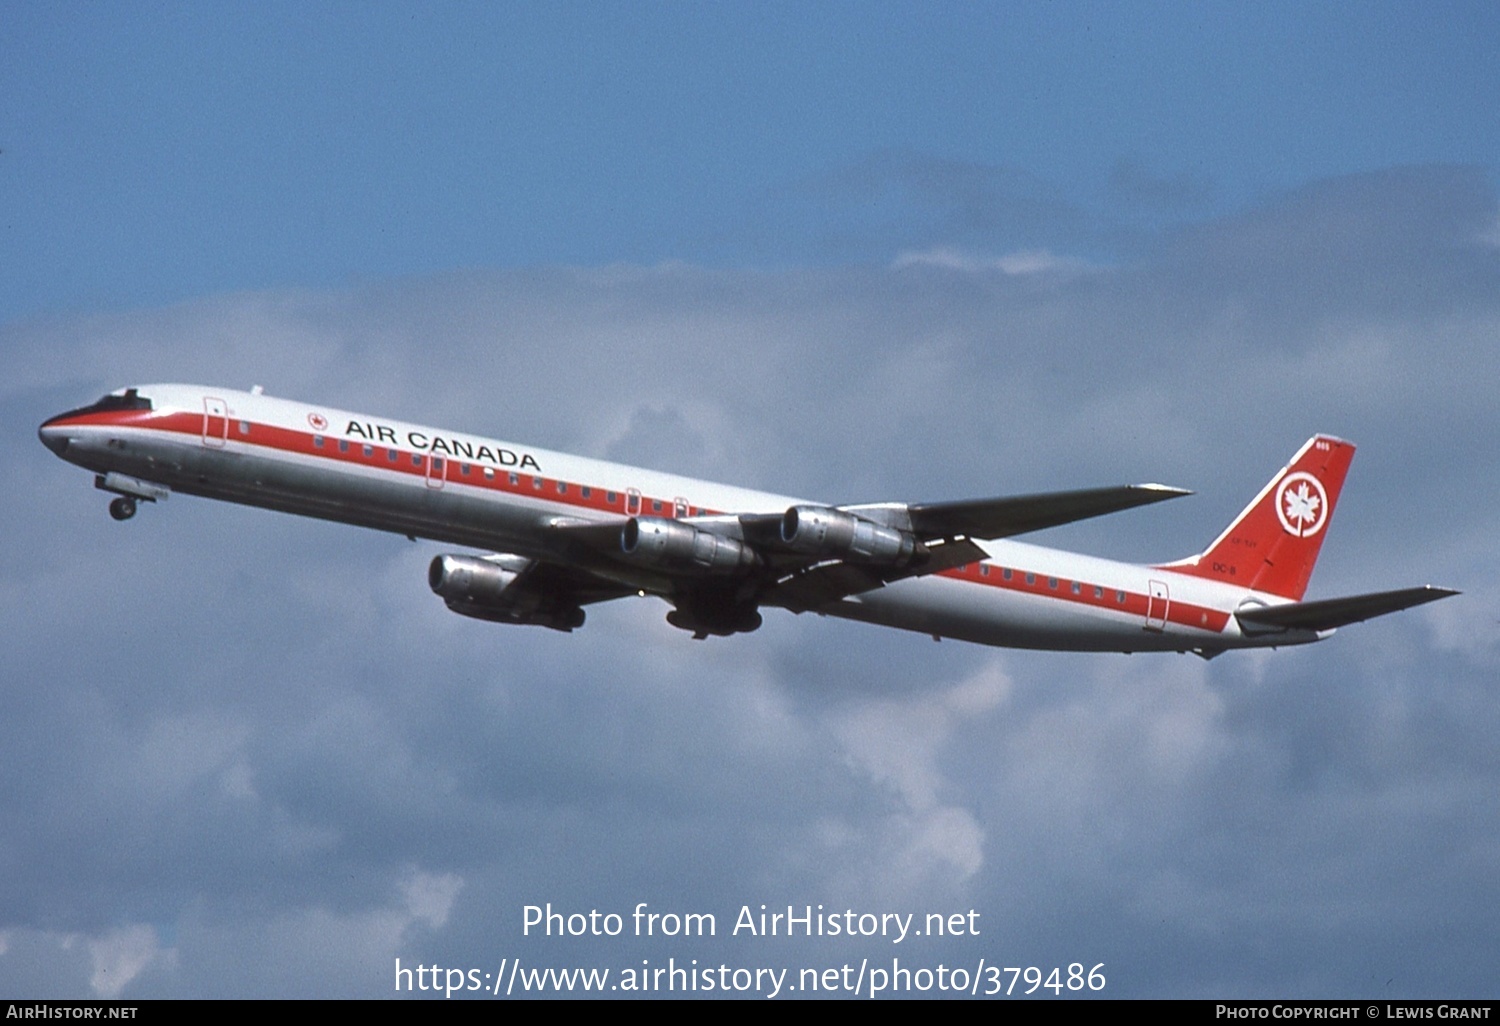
(1302, 504)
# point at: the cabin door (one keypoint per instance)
(215, 422)
(1157, 604)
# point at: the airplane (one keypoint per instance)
(557, 532)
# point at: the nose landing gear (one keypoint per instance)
(129, 491)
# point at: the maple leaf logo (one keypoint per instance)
(1302, 505)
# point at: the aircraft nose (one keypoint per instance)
(53, 437)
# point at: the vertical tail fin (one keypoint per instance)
(1274, 543)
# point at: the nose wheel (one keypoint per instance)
(122, 508)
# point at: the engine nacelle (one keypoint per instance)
(485, 588)
(661, 541)
(472, 579)
(834, 534)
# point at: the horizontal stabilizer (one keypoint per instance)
(1327, 614)
(1018, 514)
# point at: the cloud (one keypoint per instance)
(899, 743)
(1038, 261)
(898, 200)
(118, 958)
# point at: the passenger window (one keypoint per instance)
(390, 454)
(1077, 588)
(369, 451)
(1120, 597)
(317, 441)
(562, 488)
(1031, 578)
(1005, 572)
(244, 427)
(343, 445)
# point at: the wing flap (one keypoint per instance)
(571, 584)
(829, 582)
(822, 585)
(1328, 614)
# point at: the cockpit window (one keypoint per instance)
(129, 400)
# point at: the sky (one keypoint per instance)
(861, 252)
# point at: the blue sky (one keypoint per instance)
(205, 147)
(853, 251)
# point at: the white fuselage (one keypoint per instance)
(504, 497)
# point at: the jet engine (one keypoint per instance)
(487, 588)
(834, 534)
(663, 542)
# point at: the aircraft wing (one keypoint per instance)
(1328, 614)
(770, 570)
(1012, 515)
(947, 528)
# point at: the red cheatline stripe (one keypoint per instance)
(1136, 604)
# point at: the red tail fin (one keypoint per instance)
(1274, 543)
